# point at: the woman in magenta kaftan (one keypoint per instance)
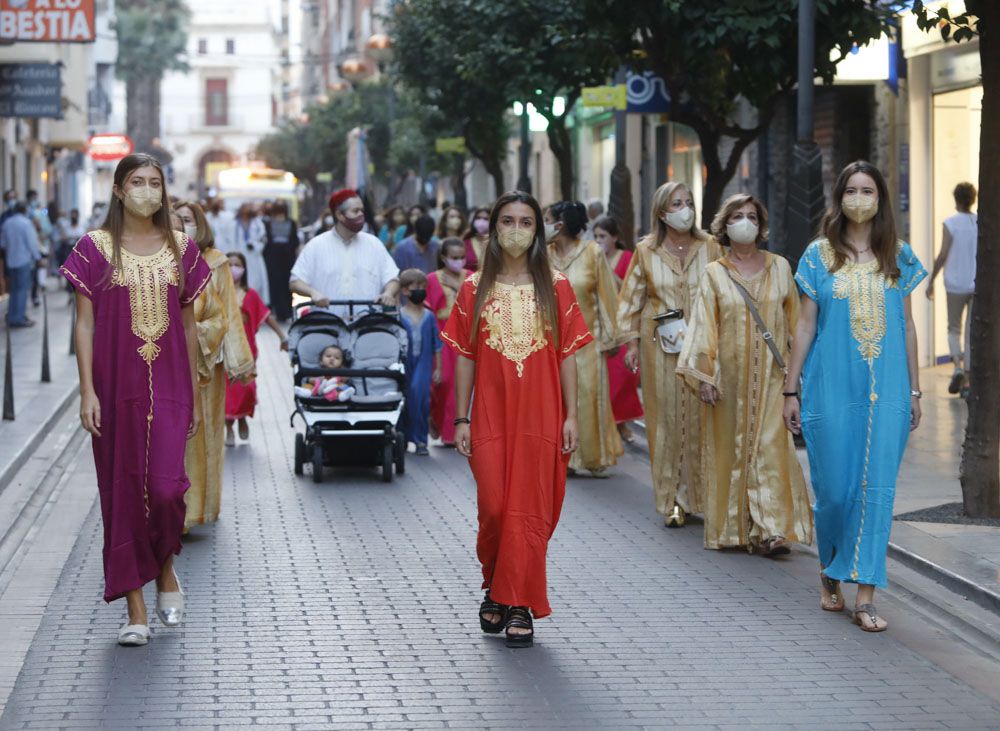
(142, 378)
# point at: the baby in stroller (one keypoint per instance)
(334, 388)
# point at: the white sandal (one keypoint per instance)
(133, 635)
(170, 605)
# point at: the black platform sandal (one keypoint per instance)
(491, 607)
(519, 618)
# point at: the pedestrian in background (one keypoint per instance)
(451, 223)
(241, 395)
(136, 345)
(19, 242)
(476, 237)
(223, 352)
(419, 251)
(856, 349)
(221, 224)
(281, 236)
(514, 327)
(423, 358)
(249, 237)
(959, 245)
(443, 286)
(394, 229)
(412, 214)
(346, 263)
(655, 301)
(734, 356)
(623, 383)
(595, 210)
(586, 267)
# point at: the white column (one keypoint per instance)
(922, 193)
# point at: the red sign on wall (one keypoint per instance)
(47, 21)
(108, 148)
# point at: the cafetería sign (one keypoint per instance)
(47, 21)
(30, 90)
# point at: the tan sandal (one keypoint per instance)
(869, 609)
(836, 600)
(775, 546)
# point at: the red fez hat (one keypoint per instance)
(340, 196)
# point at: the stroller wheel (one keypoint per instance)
(388, 453)
(317, 462)
(300, 454)
(400, 453)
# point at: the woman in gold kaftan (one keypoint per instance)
(754, 491)
(586, 267)
(222, 350)
(664, 275)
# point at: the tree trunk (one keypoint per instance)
(562, 149)
(142, 111)
(491, 158)
(458, 183)
(980, 460)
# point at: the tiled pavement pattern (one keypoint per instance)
(352, 604)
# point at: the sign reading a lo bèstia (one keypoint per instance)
(47, 21)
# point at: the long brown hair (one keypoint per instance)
(115, 221)
(538, 265)
(884, 243)
(661, 202)
(203, 236)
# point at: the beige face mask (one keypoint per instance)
(143, 200)
(516, 241)
(859, 208)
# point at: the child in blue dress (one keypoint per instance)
(423, 360)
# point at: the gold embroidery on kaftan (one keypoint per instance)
(148, 279)
(863, 286)
(513, 323)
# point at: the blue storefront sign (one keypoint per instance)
(30, 90)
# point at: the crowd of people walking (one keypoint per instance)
(536, 336)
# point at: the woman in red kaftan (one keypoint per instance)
(523, 415)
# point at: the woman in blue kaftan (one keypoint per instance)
(858, 402)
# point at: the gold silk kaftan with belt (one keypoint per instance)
(658, 281)
(753, 485)
(586, 267)
(222, 350)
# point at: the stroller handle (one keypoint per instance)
(370, 305)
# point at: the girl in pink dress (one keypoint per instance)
(442, 289)
(136, 340)
(623, 384)
(241, 398)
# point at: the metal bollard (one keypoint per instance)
(46, 373)
(72, 328)
(8, 384)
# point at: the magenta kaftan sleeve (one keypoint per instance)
(197, 273)
(84, 267)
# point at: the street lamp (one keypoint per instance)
(379, 49)
(354, 69)
(337, 89)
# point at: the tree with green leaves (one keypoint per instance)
(534, 52)
(714, 53)
(152, 39)
(980, 471)
(465, 105)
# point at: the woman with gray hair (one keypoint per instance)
(734, 358)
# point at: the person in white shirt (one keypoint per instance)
(345, 263)
(222, 224)
(595, 209)
(959, 242)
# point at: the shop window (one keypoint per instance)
(230, 46)
(202, 46)
(216, 102)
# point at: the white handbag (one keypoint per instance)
(670, 333)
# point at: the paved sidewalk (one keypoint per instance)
(352, 604)
(929, 476)
(36, 404)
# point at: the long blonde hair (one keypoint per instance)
(115, 222)
(661, 201)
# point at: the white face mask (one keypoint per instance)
(743, 231)
(550, 231)
(190, 229)
(681, 220)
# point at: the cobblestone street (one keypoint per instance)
(352, 604)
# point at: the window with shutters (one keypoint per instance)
(216, 102)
